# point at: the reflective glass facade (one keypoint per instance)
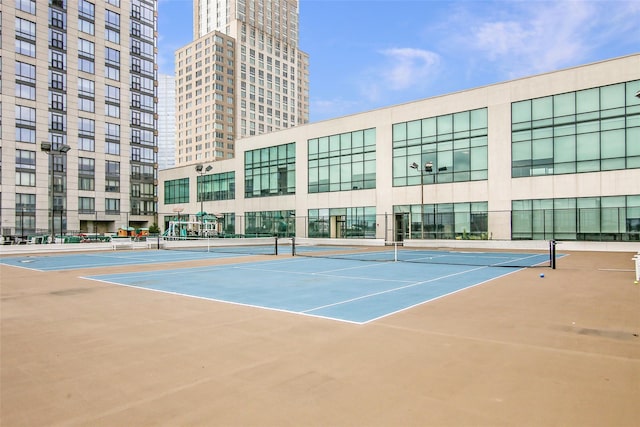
(176, 191)
(343, 162)
(586, 218)
(446, 220)
(270, 171)
(270, 223)
(455, 144)
(217, 186)
(589, 130)
(343, 223)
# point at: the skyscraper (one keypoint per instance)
(243, 75)
(166, 121)
(79, 108)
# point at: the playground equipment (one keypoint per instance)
(192, 227)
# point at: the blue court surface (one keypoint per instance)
(344, 290)
(109, 259)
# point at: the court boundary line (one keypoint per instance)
(444, 295)
(281, 310)
(306, 312)
(411, 285)
(108, 256)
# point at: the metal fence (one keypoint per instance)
(580, 224)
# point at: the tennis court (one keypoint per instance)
(253, 341)
(346, 290)
(181, 251)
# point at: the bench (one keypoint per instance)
(125, 243)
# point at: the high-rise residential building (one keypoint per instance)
(79, 109)
(243, 75)
(166, 121)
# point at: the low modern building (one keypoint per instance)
(552, 156)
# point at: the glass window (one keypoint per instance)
(86, 166)
(590, 130)
(588, 101)
(88, 105)
(454, 145)
(112, 168)
(564, 105)
(112, 19)
(112, 73)
(590, 218)
(112, 131)
(112, 147)
(86, 9)
(176, 191)
(25, 91)
(57, 80)
(25, 179)
(87, 27)
(542, 108)
(57, 19)
(26, 48)
(25, 29)
(112, 56)
(112, 35)
(112, 206)
(25, 116)
(25, 159)
(28, 6)
(86, 205)
(25, 72)
(86, 183)
(26, 135)
(86, 48)
(58, 39)
(57, 101)
(270, 172)
(112, 94)
(86, 126)
(343, 162)
(270, 223)
(86, 87)
(58, 60)
(612, 96)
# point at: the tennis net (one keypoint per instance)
(246, 246)
(399, 253)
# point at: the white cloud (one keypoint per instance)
(532, 37)
(407, 67)
(542, 37)
(400, 70)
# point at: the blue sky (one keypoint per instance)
(367, 54)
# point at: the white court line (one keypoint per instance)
(309, 312)
(394, 289)
(437, 298)
(132, 260)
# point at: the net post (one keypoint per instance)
(276, 246)
(395, 251)
(293, 246)
(552, 253)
